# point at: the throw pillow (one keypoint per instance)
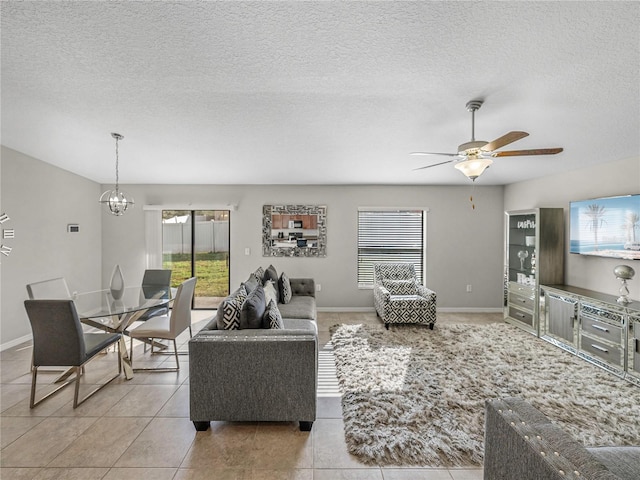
(272, 317)
(259, 273)
(270, 292)
(400, 287)
(285, 288)
(253, 309)
(231, 310)
(228, 316)
(271, 274)
(251, 283)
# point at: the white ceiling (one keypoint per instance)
(317, 92)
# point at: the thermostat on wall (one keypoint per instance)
(73, 228)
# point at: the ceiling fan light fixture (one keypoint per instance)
(472, 168)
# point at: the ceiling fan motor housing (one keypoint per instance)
(472, 147)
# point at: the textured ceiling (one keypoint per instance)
(317, 92)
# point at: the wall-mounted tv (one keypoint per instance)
(606, 227)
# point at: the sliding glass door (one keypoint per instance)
(195, 243)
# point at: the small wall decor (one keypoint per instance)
(294, 231)
(7, 233)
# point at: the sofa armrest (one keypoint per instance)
(520, 442)
(303, 287)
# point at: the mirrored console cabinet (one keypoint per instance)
(534, 254)
(593, 326)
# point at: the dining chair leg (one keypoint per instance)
(77, 388)
(119, 359)
(34, 376)
(77, 402)
(175, 349)
(130, 351)
(32, 398)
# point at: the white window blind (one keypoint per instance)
(390, 236)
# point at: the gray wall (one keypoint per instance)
(613, 178)
(464, 245)
(41, 200)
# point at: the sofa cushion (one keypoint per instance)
(253, 309)
(285, 288)
(228, 316)
(400, 287)
(271, 274)
(299, 307)
(272, 317)
(300, 325)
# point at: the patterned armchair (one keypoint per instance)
(399, 297)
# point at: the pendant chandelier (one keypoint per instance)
(116, 201)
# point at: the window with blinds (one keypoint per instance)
(390, 236)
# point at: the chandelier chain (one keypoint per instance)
(117, 161)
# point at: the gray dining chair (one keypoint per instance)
(155, 280)
(58, 340)
(168, 327)
(55, 288)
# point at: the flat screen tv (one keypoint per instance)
(606, 227)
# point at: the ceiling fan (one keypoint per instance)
(474, 157)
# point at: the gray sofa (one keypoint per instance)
(258, 374)
(522, 443)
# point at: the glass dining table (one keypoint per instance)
(100, 309)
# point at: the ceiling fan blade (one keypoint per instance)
(519, 153)
(434, 165)
(504, 140)
(435, 153)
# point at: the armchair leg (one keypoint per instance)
(386, 325)
(431, 325)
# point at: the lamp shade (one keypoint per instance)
(473, 167)
(624, 272)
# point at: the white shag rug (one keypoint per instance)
(414, 396)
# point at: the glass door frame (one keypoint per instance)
(192, 218)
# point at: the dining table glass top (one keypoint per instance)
(101, 303)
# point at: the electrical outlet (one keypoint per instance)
(318, 287)
(469, 288)
(247, 251)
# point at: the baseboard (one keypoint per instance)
(470, 310)
(443, 310)
(17, 341)
(347, 309)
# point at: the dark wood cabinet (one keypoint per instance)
(534, 254)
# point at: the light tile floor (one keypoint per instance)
(140, 429)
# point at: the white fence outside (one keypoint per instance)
(211, 236)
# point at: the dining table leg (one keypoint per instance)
(126, 359)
